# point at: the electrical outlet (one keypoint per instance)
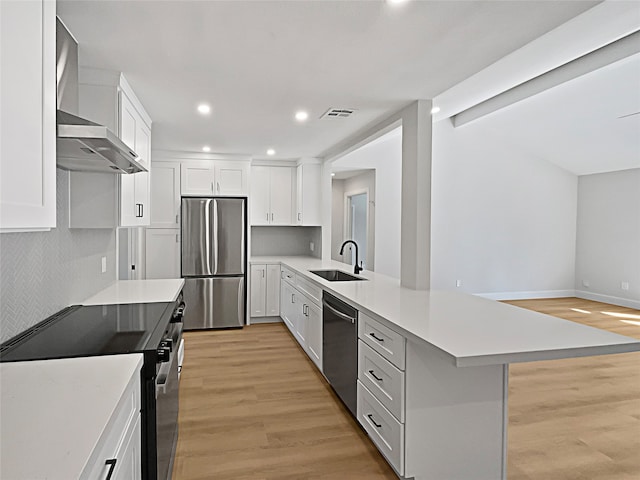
(624, 285)
(311, 246)
(585, 283)
(104, 264)
(458, 283)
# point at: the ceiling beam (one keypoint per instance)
(611, 53)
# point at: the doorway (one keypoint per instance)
(356, 226)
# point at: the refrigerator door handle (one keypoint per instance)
(213, 212)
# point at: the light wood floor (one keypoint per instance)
(253, 406)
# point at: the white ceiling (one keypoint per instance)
(584, 126)
(258, 62)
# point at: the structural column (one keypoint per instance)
(415, 253)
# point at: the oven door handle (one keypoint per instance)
(337, 313)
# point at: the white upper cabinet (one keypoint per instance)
(106, 98)
(271, 195)
(308, 208)
(197, 177)
(134, 189)
(165, 195)
(28, 112)
(231, 178)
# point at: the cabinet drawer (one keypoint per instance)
(382, 339)
(288, 276)
(116, 431)
(383, 429)
(312, 291)
(382, 379)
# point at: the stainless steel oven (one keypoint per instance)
(153, 329)
(167, 400)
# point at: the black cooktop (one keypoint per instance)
(80, 331)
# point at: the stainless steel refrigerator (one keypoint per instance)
(213, 262)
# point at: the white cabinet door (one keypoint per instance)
(280, 195)
(231, 178)
(314, 334)
(259, 197)
(272, 303)
(134, 188)
(300, 319)
(28, 112)
(129, 456)
(258, 290)
(165, 195)
(162, 254)
(197, 178)
(287, 304)
(308, 208)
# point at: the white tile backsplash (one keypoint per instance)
(43, 272)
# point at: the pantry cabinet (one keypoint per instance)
(165, 195)
(271, 195)
(162, 253)
(265, 290)
(28, 110)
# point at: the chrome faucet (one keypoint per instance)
(357, 268)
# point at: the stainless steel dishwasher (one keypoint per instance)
(340, 348)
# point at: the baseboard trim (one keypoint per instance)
(597, 297)
(265, 320)
(528, 295)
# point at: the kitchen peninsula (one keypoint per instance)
(457, 348)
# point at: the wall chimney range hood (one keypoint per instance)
(83, 145)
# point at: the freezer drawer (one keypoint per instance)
(214, 302)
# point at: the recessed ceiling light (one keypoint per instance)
(333, 174)
(206, 149)
(204, 109)
(396, 1)
(435, 110)
(271, 152)
(301, 115)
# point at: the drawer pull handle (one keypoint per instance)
(375, 376)
(377, 425)
(377, 338)
(112, 464)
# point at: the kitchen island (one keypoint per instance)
(454, 373)
(138, 291)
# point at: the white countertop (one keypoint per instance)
(138, 291)
(473, 330)
(53, 412)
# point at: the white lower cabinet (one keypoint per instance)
(265, 290)
(300, 308)
(119, 448)
(381, 388)
(383, 428)
(162, 253)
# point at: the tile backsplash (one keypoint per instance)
(43, 272)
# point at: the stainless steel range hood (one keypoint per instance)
(83, 145)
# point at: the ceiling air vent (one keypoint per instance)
(338, 113)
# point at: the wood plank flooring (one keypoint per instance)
(577, 418)
(253, 406)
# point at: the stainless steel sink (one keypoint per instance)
(336, 275)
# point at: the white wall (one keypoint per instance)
(385, 156)
(608, 241)
(501, 220)
(340, 188)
